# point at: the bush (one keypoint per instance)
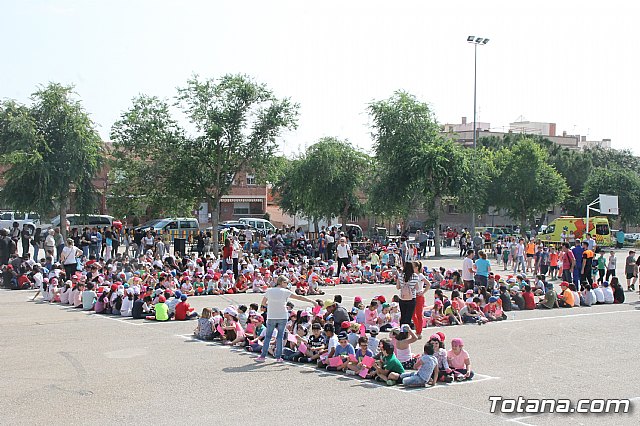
(637, 244)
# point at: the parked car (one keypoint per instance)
(178, 227)
(353, 231)
(7, 219)
(260, 225)
(631, 237)
(81, 220)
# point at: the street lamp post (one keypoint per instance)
(476, 41)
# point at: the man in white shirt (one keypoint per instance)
(467, 270)
(343, 253)
(591, 242)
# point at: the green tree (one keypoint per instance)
(52, 151)
(414, 159)
(400, 125)
(325, 182)
(625, 183)
(235, 125)
(527, 185)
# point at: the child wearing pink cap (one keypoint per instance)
(459, 360)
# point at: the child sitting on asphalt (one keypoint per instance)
(492, 311)
(354, 367)
(459, 361)
(373, 342)
(445, 374)
(184, 311)
(565, 299)
(331, 342)
(204, 330)
(388, 369)
(371, 315)
(402, 339)
(608, 293)
(427, 366)
(315, 344)
(344, 350)
(550, 299)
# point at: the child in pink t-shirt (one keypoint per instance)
(459, 361)
(371, 315)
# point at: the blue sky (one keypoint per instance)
(572, 63)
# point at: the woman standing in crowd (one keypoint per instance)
(69, 256)
(407, 283)
(35, 242)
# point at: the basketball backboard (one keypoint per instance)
(609, 204)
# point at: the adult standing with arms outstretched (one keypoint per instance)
(407, 283)
(275, 299)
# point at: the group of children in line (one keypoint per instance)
(353, 348)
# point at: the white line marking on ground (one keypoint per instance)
(130, 322)
(519, 422)
(509, 321)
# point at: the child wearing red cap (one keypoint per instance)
(161, 310)
(565, 298)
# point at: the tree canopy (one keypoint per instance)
(526, 184)
(326, 181)
(625, 183)
(416, 164)
(234, 125)
(52, 151)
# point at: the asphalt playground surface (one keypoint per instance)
(64, 366)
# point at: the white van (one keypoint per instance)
(260, 225)
(80, 221)
(7, 219)
(178, 227)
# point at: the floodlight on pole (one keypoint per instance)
(476, 41)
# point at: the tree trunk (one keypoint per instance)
(523, 222)
(437, 201)
(315, 226)
(344, 216)
(215, 221)
(63, 218)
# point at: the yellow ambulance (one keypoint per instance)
(575, 228)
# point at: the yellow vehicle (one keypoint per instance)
(575, 228)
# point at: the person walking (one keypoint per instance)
(275, 299)
(343, 253)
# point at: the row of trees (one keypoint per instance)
(167, 156)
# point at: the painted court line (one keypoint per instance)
(508, 321)
(477, 378)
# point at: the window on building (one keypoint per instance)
(240, 208)
(452, 209)
(551, 210)
(251, 180)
